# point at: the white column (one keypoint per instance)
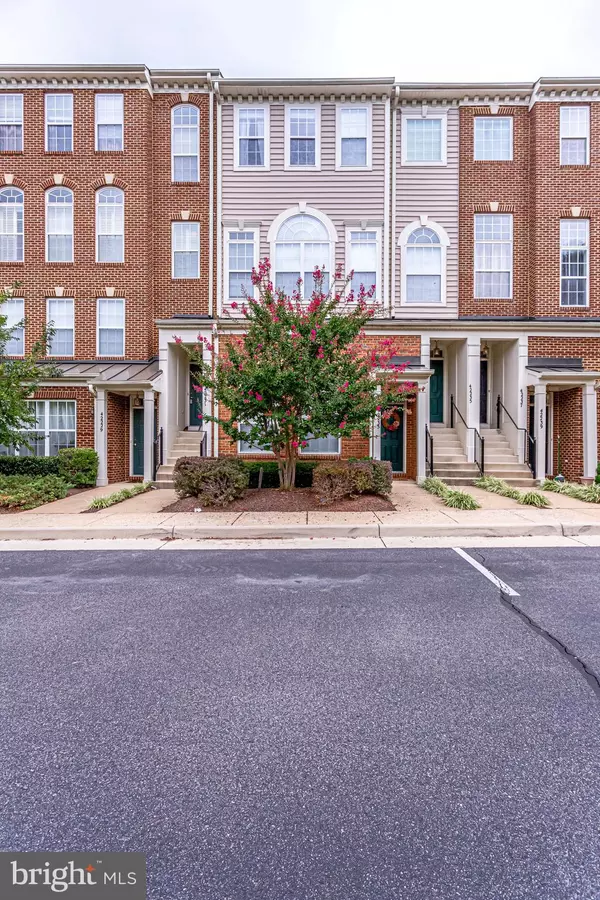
(422, 421)
(148, 434)
(470, 403)
(523, 402)
(539, 431)
(100, 436)
(590, 431)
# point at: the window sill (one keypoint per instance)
(567, 166)
(414, 164)
(185, 182)
(12, 153)
(112, 265)
(59, 264)
(483, 161)
(340, 168)
(194, 278)
(251, 168)
(493, 299)
(109, 152)
(8, 263)
(59, 152)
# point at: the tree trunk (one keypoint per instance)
(287, 473)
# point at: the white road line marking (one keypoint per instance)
(505, 588)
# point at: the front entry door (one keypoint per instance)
(483, 393)
(392, 441)
(195, 399)
(436, 391)
(138, 441)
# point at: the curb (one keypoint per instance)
(288, 532)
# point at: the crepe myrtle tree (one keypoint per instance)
(301, 370)
(19, 378)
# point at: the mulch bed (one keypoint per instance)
(70, 493)
(274, 500)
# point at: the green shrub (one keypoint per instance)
(23, 492)
(533, 498)
(434, 485)
(597, 478)
(460, 500)
(336, 479)
(550, 485)
(304, 472)
(119, 496)
(29, 465)
(214, 481)
(78, 465)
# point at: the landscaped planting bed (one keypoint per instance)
(274, 500)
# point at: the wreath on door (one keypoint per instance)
(391, 420)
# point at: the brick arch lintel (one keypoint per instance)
(192, 217)
(502, 208)
(193, 99)
(13, 181)
(116, 182)
(66, 182)
(567, 213)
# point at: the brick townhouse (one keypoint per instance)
(133, 205)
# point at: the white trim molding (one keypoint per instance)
(236, 137)
(368, 106)
(425, 113)
(440, 231)
(303, 106)
(301, 209)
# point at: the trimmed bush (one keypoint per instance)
(24, 492)
(304, 473)
(341, 478)
(78, 465)
(214, 481)
(29, 465)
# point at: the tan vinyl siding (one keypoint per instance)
(431, 191)
(257, 197)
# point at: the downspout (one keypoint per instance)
(210, 193)
(393, 199)
(386, 211)
(219, 202)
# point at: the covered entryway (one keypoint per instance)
(392, 438)
(436, 391)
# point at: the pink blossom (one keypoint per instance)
(294, 443)
(233, 304)
(197, 388)
(177, 339)
(258, 397)
(305, 443)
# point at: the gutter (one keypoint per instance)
(210, 192)
(393, 198)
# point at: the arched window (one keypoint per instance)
(423, 264)
(185, 120)
(302, 242)
(59, 225)
(110, 236)
(11, 225)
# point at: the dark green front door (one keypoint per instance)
(392, 444)
(195, 398)
(138, 441)
(436, 391)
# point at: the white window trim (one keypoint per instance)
(21, 123)
(511, 132)
(9, 187)
(121, 123)
(47, 123)
(512, 258)
(48, 302)
(338, 137)
(22, 299)
(308, 211)
(60, 262)
(255, 452)
(587, 268)
(437, 114)
(444, 244)
(236, 133)
(110, 355)
(317, 108)
(348, 251)
(47, 418)
(587, 136)
(98, 260)
(175, 277)
(177, 105)
(255, 230)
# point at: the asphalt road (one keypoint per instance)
(299, 725)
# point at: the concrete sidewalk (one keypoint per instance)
(417, 514)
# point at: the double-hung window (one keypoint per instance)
(363, 260)
(246, 446)
(493, 138)
(185, 244)
(110, 241)
(111, 326)
(423, 266)
(303, 126)
(302, 244)
(185, 121)
(59, 123)
(59, 225)
(109, 122)
(14, 310)
(574, 135)
(328, 444)
(493, 256)
(11, 225)
(241, 258)
(54, 429)
(423, 140)
(11, 123)
(574, 262)
(252, 149)
(60, 316)
(354, 137)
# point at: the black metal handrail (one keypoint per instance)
(428, 451)
(157, 458)
(530, 443)
(479, 441)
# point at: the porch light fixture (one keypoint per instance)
(485, 351)
(436, 353)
